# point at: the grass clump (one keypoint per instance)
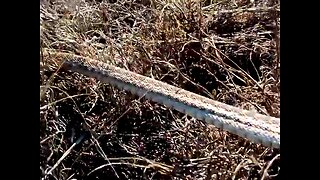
(224, 50)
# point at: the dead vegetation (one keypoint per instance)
(225, 50)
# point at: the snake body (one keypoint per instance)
(251, 125)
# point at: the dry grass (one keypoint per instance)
(225, 50)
